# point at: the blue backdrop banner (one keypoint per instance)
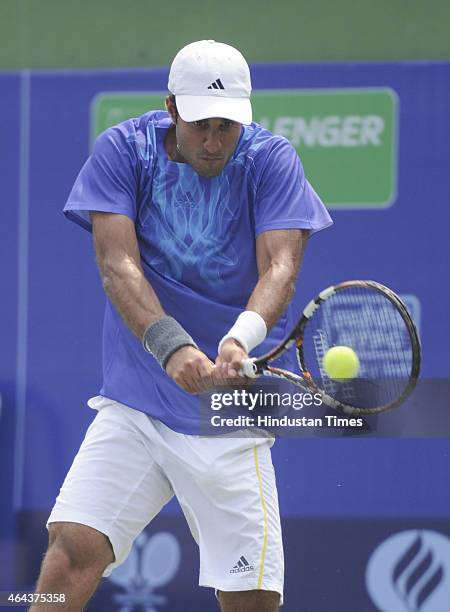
(374, 142)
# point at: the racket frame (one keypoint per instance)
(259, 366)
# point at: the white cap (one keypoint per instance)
(211, 79)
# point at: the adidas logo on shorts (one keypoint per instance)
(242, 566)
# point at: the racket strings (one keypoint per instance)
(368, 322)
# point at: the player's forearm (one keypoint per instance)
(273, 292)
(279, 255)
(126, 286)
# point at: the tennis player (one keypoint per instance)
(200, 219)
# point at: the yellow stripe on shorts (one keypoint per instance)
(263, 503)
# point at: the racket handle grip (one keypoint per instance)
(249, 368)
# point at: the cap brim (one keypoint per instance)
(195, 108)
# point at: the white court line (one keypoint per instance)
(22, 290)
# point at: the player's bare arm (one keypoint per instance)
(124, 282)
(279, 255)
(119, 262)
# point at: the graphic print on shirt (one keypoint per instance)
(194, 222)
(198, 218)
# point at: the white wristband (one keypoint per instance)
(249, 330)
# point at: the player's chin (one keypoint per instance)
(210, 169)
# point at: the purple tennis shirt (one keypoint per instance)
(197, 243)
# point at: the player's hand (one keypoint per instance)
(229, 363)
(191, 369)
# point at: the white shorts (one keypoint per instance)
(129, 466)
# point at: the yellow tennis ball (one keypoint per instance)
(341, 362)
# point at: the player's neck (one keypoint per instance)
(170, 145)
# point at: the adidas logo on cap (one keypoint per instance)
(216, 85)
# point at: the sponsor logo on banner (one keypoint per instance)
(151, 564)
(346, 138)
(108, 109)
(410, 572)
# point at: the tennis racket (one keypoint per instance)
(367, 317)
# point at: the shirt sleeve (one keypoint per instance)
(108, 180)
(284, 197)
